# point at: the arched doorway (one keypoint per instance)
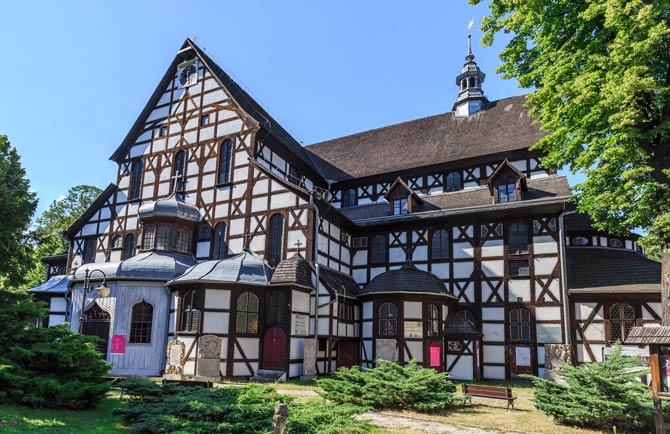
(274, 349)
(95, 322)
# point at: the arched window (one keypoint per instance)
(225, 160)
(517, 239)
(378, 247)
(275, 240)
(388, 319)
(440, 244)
(190, 312)
(219, 246)
(179, 170)
(433, 320)
(204, 231)
(116, 242)
(453, 181)
(128, 246)
(349, 198)
(519, 324)
(136, 170)
(140, 323)
(622, 319)
(246, 320)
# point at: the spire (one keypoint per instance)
(471, 97)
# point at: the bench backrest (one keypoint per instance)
(487, 391)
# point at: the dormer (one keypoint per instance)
(507, 183)
(402, 199)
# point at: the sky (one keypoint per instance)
(77, 74)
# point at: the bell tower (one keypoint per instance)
(471, 97)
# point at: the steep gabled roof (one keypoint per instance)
(241, 97)
(97, 203)
(502, 127)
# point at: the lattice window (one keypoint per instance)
(136, 170)
(622, 319)
(204, 231)
(440, 244)
(388, 319)
(89, 250)
(183, 243)
(148, 237)
(517, 239)
(165, 236)
(190, 312)
(518, 268)
(349, 198)
(378, 249)
(400, 206)
(128, 246)
(276, 240)
(278, 307)
(433, 320)
(225, 160)
(219, 246)
(179, 171)
(454, 182)
(506, 193)
(519, 324)
(246, 319)
(140, 323)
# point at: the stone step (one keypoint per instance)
(267, 376)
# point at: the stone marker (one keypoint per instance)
(309, 357)
(175, 355)
(280, 419)
(555, 356)
(209, 357)
(387, 349)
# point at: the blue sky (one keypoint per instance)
(76, 74)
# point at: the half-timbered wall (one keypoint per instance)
(433, 183)
(333, 247)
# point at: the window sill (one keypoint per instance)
(224, 184)
(139, 344)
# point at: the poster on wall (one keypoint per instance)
(413, 329)
(522, 356)
(118, 344)
(300, 322)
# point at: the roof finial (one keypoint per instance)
(247, 240)
(470, 56)
(298, 244)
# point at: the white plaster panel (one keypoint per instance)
(493, 332)
(493, 314)
(215, 322)
(360, 276)
(217, 299)
(544, 244)
(463, 270)
(519, 288)
(396, 254)
(441, 270)
(360, 258)
(412, 309)
(367, 329)
(493, 268)
(547, 313)
(56, 319)
(283, 200)
(374, 272)
(494, 372)
(463, 250)
(656, 307)
(250, 347)
(583, 310)
(58, 304)
(462, 370)
(595, 332)
(299, 301)
(416, 350)
(494, 353)
(493, 248)
(367, 310)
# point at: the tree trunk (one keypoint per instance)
(665, 286)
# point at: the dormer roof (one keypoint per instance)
(506, 165)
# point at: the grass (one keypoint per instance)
(483, 413)
(100, 420)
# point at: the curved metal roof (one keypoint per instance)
(159, 266)
(242, 268)
(407, 278)
(55, 285)
(171, 207)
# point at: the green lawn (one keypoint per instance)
(101, 420)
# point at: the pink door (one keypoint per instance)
(435, 355)
(274, 349)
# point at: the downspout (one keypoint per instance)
(564, 275)
(315, 258)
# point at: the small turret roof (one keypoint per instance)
(407, 278)
(171, 207)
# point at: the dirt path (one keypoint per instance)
(389, 420)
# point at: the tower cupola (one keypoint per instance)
(471, 97)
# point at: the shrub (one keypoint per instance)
(390, 385)
(319, 417)
(598, 395)
(46, 367)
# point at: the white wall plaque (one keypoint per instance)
(413, 329)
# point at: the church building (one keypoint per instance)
(226, 249)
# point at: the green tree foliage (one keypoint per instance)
(390, 385)
(154, 408)
(598, 395)
(45, 234)
(17, 205)
(601, 74)
(45, 367)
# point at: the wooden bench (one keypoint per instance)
(190, 383)
(492, 392)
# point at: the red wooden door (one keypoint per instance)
(435, 355)
(347, 354)
(274, 349)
